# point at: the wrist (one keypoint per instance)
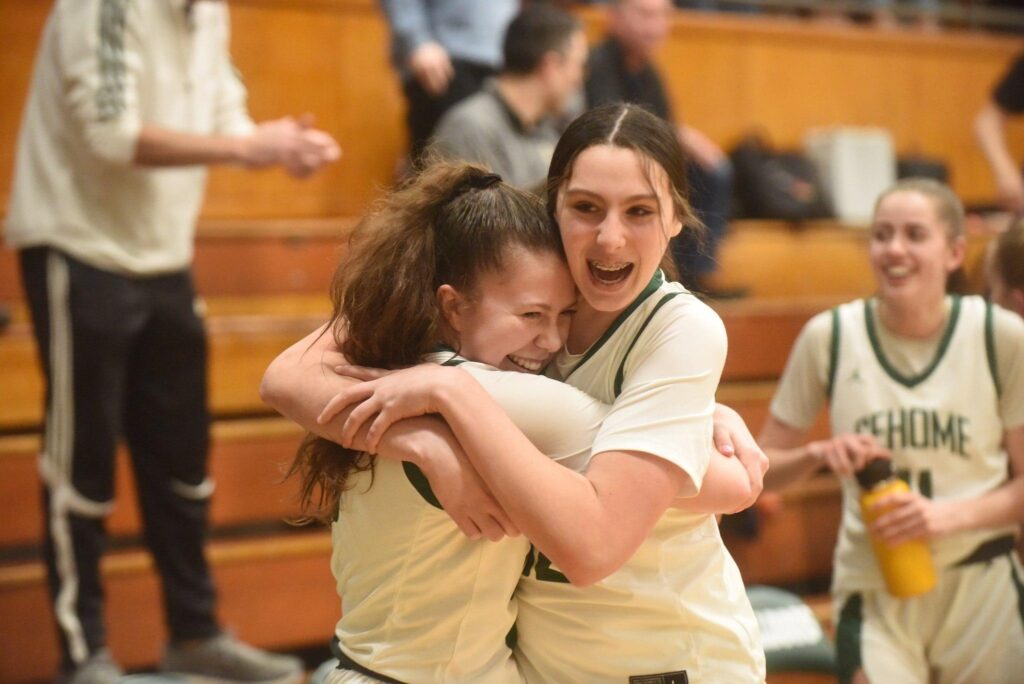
(455, 389)
(240, 150)
(959, 518)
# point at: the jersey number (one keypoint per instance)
(923, 484)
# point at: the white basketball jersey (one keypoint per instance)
(421, 602)
(942, 425)
(678, 605)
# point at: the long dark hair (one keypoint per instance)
(632, 127)
(445, 225)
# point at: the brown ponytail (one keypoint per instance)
(445, 225)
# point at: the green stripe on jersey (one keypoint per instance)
(876, 345)
(656, 281)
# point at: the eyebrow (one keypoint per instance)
(631, 198)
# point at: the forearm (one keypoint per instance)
(790, 459)
(301, 380)
(565, 514)
(990, 132)
(789, 466)
(163, 147)
(726, 488)
(1004, 505)
(999, 508)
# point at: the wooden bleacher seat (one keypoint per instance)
(274, 591)
(248, 460)
(245, 335)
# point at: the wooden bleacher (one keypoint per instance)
(267, 245)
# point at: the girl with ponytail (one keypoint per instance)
(454, 265)
(629, 576)
(444, 227)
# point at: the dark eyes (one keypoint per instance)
(590, 207)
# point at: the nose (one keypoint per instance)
(611, 233)
(550, 336)
(896, 246)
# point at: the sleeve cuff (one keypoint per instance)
(115, 141)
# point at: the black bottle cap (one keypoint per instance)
(876, 470)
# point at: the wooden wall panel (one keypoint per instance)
(726, 74)
(329, 59)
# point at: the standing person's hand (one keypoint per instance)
(1010, 184)
(432, 67)
(291, 143)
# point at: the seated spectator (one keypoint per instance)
(511, 124)
(621, 68)
(1004, 269)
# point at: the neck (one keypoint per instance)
(633, 60)
(588, 325)
(525, 96)
(913, 320)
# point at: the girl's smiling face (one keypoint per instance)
(911, 250)
(616, 216)
(517, 318)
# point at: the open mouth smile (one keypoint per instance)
(609, 273)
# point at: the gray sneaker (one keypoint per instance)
(100, 668)
(224, 658)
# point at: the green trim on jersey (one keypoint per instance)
(656, 281)
(620, 374)
(849, 657)
(833, 355)
(419, 482)
(455, 359)
(869, 321)
(1018, 585)
(990, 348)
(412, 472)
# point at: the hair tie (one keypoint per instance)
(475, 182)
(483, 182)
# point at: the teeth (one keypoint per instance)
(610, 268)
(529, 364)
(610, 273)
(897, 271)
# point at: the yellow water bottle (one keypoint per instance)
(907, 568)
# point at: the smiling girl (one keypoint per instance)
(936, 382)
(623, 583)
(455, 265)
